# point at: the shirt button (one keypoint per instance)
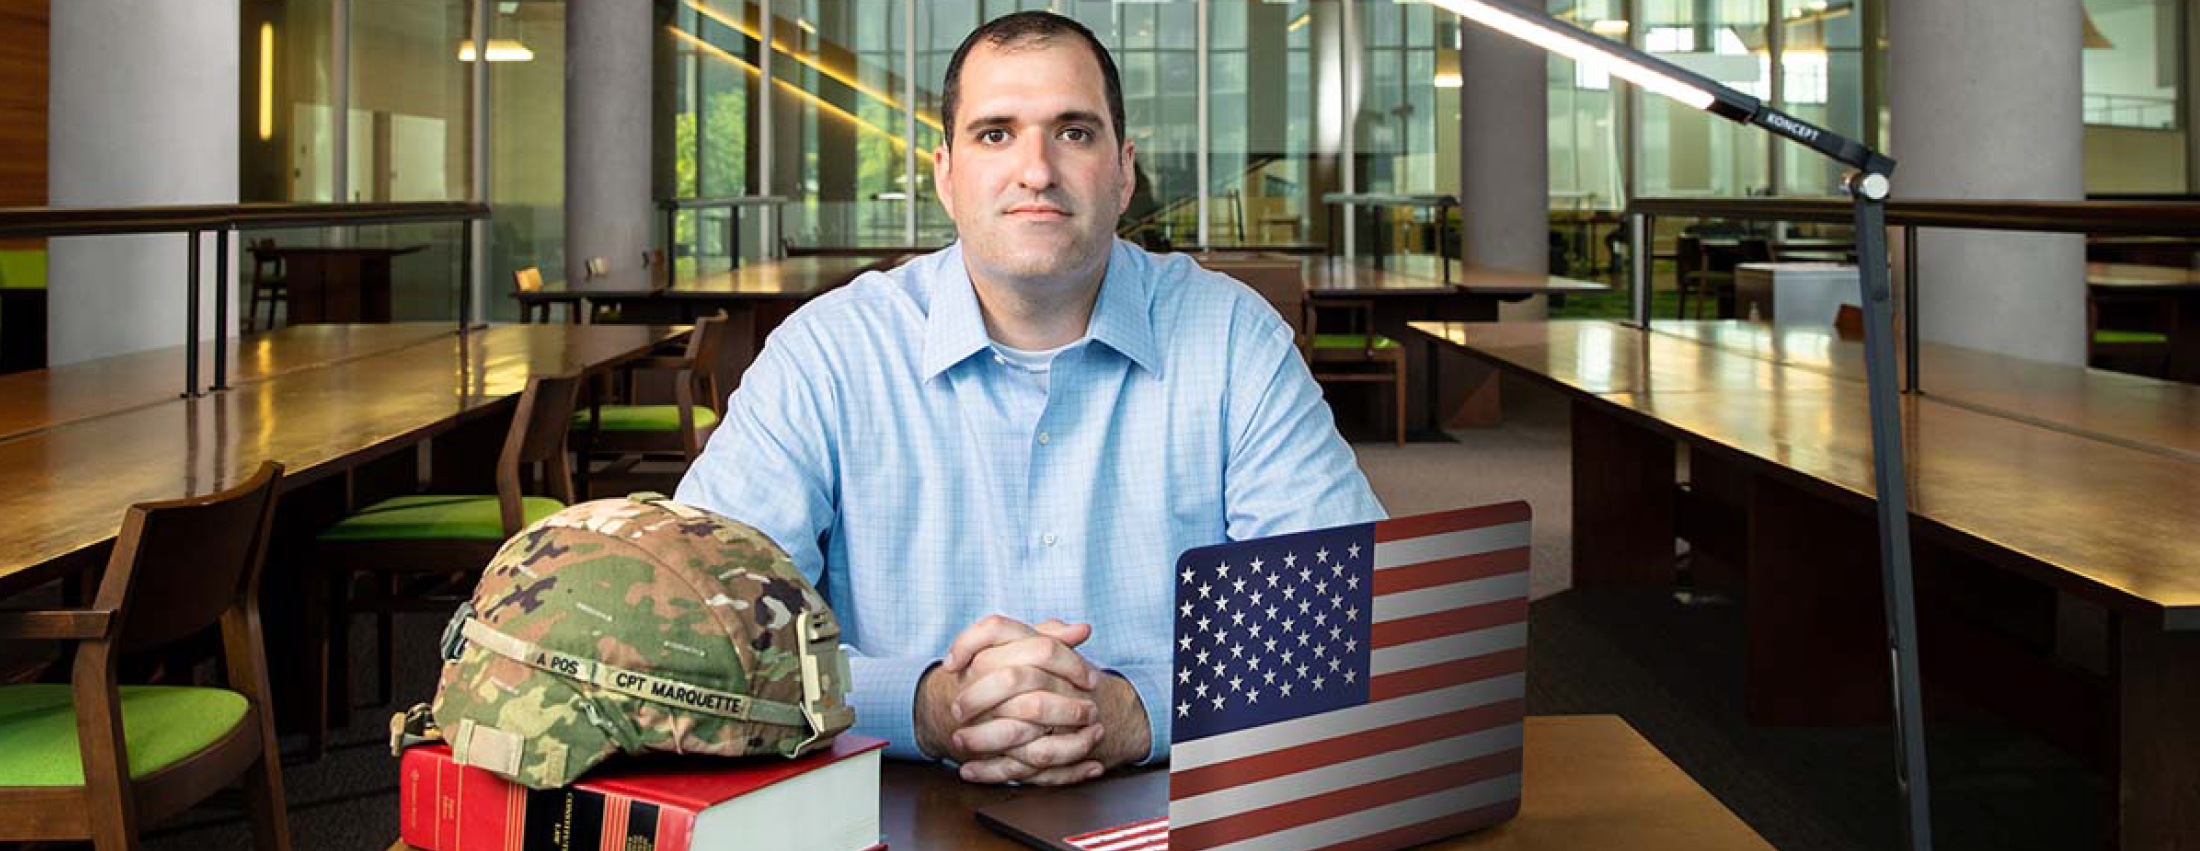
(1047, 539)
(1042, 438)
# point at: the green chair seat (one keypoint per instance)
(1352, 341)
(23, 269)
(2105, 336)
(160, 726)
(436, 517)
(644, 418)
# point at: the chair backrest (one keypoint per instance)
(1280, 281)
(707, 348)
(178, 565)
(264, 262)
(527, 280)
(1756, 249)
(1688, 256)
(538, 436)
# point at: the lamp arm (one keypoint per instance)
(1834, 145)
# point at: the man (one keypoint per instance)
(989, 458)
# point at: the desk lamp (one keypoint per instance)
(1868, 186)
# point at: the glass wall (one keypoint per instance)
(1822, 82)
(2132, 66)
(526, 138)
(1685, 151)
(714, 74)
(837, 102)
(1587, 147)
(1268, 162)
(404, 134)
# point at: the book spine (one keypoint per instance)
(450, 807)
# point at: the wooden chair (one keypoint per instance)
(93, 760)
(432, 541)
(625, 431)
(269, 287)
(2140, 351)
(1362, 357)
(529, 280)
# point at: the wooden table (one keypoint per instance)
(2178, 291)
(67, 486)
(1414, 293)
(1590, 781)
(44, 398)
(336, 284)
(2129, 410)
(639, 294)
(2008, 513)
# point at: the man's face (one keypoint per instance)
(1035, 178)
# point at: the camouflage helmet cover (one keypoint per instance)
(632, 625)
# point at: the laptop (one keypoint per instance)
(1361, 684)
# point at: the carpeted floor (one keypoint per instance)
(1672, 670)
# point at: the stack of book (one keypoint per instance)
(826, 801)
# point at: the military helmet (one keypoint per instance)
(633, 625)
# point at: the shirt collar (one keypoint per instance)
(954, 327)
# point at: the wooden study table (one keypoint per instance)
(2007, 511)
(755, 297)
(68, 485)
(1414, 292)
(336, 284)
(2179, 292)
(643, 295)
(39, 399)
(2129, 410)
(1590, 781)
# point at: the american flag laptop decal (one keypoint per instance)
(1356, 687)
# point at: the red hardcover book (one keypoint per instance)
(827, 801)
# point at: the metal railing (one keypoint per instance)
(1439, 202)
(734, 203)
(2117, 217)
(194, 221)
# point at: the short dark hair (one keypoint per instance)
(1016, 27)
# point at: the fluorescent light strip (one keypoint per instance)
(837, 75)
(823, 105)
(1581, 49)
(267, 81)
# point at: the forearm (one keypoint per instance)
(1123, 714)
(930, 712)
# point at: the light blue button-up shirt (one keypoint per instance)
(922, 481)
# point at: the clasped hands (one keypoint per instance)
(1017, 703)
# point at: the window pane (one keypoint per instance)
(714, 71)
(1270, 65)
(1822, 61)
(1688, 152)
(2131, 63)
(526, 149)
(837, 67)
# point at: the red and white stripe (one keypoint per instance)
(1435, 750)
(1149, 835)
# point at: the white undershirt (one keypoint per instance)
(1037, 364)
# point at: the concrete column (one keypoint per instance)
(1504, 158)
(159, 127)
(608, 209)
(1984, 96)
